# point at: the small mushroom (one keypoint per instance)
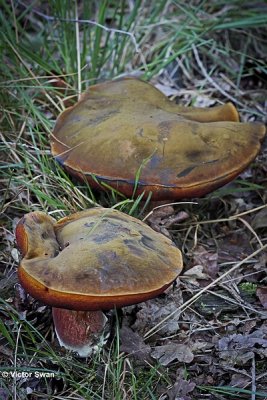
(91, 261)
(125, 129)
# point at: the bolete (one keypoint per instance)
(127, 130)
(91, 261)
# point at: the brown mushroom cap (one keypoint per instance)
(95, 259)
(121, 126)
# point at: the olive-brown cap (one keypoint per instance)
(94, 259)
(126, 129)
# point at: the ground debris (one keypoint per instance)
(167, 353)
(207, 259)
(260, 220)
(193, 274)
(240, 379)
(162, 218)
(238, 349)
(133, 344)
(152, 312)
(180, 390)
(262, 295)
(234, 246)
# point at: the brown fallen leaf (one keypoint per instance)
(193, 274)
(133, 344)
(154, 311)
(262, 295)
(238, 349)
(181, 389)
(240, 380)
(260, 219)
(208, 260)
(163, 217)
(234, 246)
(173, 351)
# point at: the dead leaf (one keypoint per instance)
(174, 351)
(156, 218)
(133, 344)
(162, 218)
(234, 246)
(159, 213)
(154, 311)
(262, 295)
(238, 349)
(195, 273)
(180, 390)
(208, 259)
(240, 380)
(260, 219)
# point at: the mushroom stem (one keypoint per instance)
(79, 331)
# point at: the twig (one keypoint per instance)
(231, 218)
(253, 379)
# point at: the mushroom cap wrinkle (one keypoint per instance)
(94, 259)
(127, 128)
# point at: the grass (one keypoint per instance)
(109, 374)
(213, 49)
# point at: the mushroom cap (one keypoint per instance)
(95, 259)
(125, 129)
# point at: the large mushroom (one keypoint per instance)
(126, 130)
(91, 261)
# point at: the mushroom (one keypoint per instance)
(127, 129)
(91, 261)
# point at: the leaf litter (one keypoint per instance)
(225, 330)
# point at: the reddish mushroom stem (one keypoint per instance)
(79, 331)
